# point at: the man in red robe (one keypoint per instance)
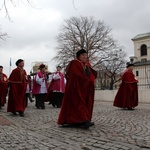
(78, 101)
(3, 87)
(17, 92)
(127, 95)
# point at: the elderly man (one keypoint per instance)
(77, 104)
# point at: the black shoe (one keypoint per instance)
(49, 103)
(92, 123)
(42, 107)
(77, 125)
(72, 125)
(14, 113)
(21, 114)
(53, 105)
(87, 124)
(32, 101)
(0, 107)
(58, 106)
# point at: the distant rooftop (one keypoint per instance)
(139, 36)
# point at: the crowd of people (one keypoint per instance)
(72, 92)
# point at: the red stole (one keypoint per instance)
(36, 87)
(58, 84)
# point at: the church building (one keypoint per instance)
(141, 59)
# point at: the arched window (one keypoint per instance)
(143, 50)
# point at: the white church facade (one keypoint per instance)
(141, 59)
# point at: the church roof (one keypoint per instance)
(139, 63)
(139, 36)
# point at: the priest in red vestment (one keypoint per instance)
(127, 95)
(40, 87)
(3, 87)
(78, 101)
(57, 88)
(17, 92)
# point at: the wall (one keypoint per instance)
(109, 95)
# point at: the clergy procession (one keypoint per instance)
(72, 92)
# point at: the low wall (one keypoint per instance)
(109, 95)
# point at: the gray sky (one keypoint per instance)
(32, 31)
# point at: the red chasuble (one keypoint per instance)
(59, 84)
(17, 91)
(3, 88)
(77, 105)
(127, 95)
(56, 85)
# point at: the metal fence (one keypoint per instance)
(141, 71)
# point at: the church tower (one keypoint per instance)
(141, 59)
(141, 47)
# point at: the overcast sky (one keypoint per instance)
(32, 31)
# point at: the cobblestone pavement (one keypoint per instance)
(115, 129)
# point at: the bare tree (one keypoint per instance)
(104, 53)
(111, 69)
(84, 32)
(3, 36)
(4, 5)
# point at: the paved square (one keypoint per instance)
(115, 129)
